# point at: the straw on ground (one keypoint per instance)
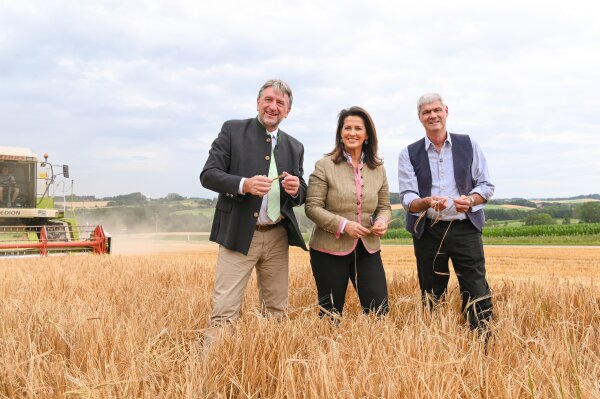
(130, 327)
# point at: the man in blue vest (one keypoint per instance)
(444, 185)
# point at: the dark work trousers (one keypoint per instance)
(464, 246)
(365, 271)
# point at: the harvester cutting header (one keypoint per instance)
(30, 224)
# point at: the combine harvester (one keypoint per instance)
(29, 222)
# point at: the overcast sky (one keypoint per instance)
(131, 94)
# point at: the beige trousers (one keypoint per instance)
(269, 254)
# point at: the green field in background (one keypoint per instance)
(557, 234)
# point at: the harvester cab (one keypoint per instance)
(30, 223)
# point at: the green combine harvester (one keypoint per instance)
(30, 224)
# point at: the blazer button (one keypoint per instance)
(255, 214)
(357, 202)
(268, 139)
(267, 157)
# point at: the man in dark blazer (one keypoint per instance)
(257, 170)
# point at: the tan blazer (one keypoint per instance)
(334, 195)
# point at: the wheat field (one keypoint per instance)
(130, 326)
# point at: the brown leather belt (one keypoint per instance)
(266, 227)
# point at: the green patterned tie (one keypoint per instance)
(273, 198)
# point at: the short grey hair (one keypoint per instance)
(279, 85)
(429, 98)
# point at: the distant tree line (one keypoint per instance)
(514, 201)
(140, 199)
(80, 198)
(578, 197)
(589, 212)
(128, 199)
(142, 219)
(540, 213)
(136, 213)
(548, 213)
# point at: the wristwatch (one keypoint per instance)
(471, 201)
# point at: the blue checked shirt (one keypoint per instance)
(442, 175)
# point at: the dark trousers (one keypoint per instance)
(364, 270)
(464, 246)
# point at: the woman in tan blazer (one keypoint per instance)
(348, 199)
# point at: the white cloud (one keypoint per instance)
(131, 94)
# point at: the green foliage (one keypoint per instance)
(491, 222)
(555, 230)
(144, 218)
(127, 199)
(543, 230)
(174, 197)
(304, 223)
(398, 219)
(136, 213)
(535, 219)
(397, 233)
(505, 214)
(575, 198)
(593, 239)
(513, 201)
(83, 198)
(556, 210)
(589, 212)
(204, 202)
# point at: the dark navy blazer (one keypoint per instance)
(243, 149)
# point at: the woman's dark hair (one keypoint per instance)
(370, 149)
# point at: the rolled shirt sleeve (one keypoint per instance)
(407, 180)
(481, 176)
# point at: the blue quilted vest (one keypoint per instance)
(462, 159)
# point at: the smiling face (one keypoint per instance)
(353, 133)
(433, 117)
(273, 106)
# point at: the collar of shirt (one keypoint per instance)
(429, 143)
(349, 157)
(274, 136)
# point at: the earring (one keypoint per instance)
(341, 141)
(367, 142)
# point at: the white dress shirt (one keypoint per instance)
(442, 178)
(263, 217)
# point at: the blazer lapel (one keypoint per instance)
(281, 152)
